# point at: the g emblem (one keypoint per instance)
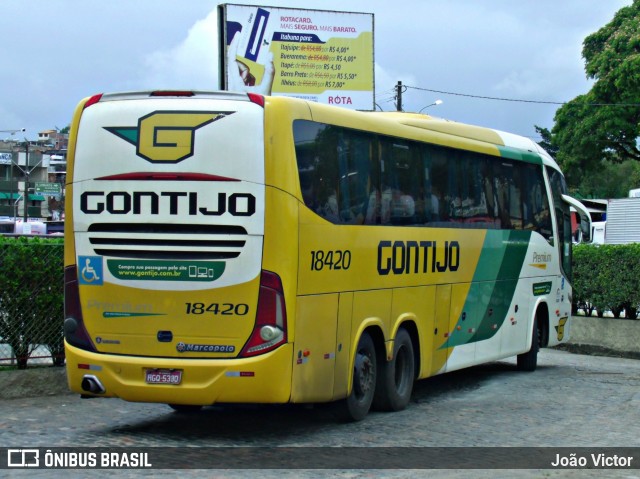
(166, 136)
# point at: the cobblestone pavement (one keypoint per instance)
(570, 401)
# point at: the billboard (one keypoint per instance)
(317, 55)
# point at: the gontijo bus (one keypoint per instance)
(226, 248)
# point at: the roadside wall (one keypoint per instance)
(619, 336)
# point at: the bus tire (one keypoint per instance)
(356, 406)
(529, 361)
(396, 377)
(185, 408)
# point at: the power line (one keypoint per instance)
(388, 99)
(543, 102)
(387, 91)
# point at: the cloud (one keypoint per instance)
(193, 64)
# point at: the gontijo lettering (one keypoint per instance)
(412, 257)
(150, 202)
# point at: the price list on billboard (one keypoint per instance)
(317, 55)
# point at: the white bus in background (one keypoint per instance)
(36, 227)
(6, 225)
(30, 227)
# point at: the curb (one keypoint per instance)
(594, 350)
(36, 382)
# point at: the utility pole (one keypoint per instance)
(25, 199)
(399, 96)
(15, 206)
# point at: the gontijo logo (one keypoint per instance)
(166, 136)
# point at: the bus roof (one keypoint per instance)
(509, 145)
(472, 132)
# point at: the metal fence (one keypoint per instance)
(31, 301)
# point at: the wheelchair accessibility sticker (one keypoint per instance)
(90, 270)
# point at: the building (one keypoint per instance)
(37, 164)
(53, 139)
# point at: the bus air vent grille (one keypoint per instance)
(167, 241)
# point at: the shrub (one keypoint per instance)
(607, 277)
(32, 296)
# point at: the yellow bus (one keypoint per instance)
(234, 248)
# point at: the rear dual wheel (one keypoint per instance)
(365, 368)
(385, 384)
(396, 377)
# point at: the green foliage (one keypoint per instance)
(32, 296)
(547, 140)
(608, 181)
(604, 124)
(607, 277)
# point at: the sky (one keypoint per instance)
(53, 53)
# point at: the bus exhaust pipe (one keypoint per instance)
(92, 384)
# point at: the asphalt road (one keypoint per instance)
(571, 401)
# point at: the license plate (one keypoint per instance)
(163, 376)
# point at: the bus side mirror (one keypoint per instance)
(585, 218)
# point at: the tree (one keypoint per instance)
(604, 123)
(611, 180)
(547, 140)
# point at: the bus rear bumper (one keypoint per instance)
(261, 379)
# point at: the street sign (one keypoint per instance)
(48, 189)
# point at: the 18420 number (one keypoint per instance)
(226, 309)
(333, 259)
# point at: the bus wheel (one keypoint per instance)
(396, 377)
(185, 408)
(356, 406)
(529, 361)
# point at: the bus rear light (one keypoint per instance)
(257, 99)
(75, 332)
(186, 93)
(163, 176)
(270, 329)
(92, 101)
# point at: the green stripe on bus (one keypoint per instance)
(493, 287)
(519, 155)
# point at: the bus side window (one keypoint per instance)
(316, 156)
(429, 206)
(354, 187)
(402, 189)
(536, 203)
(439, 182)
